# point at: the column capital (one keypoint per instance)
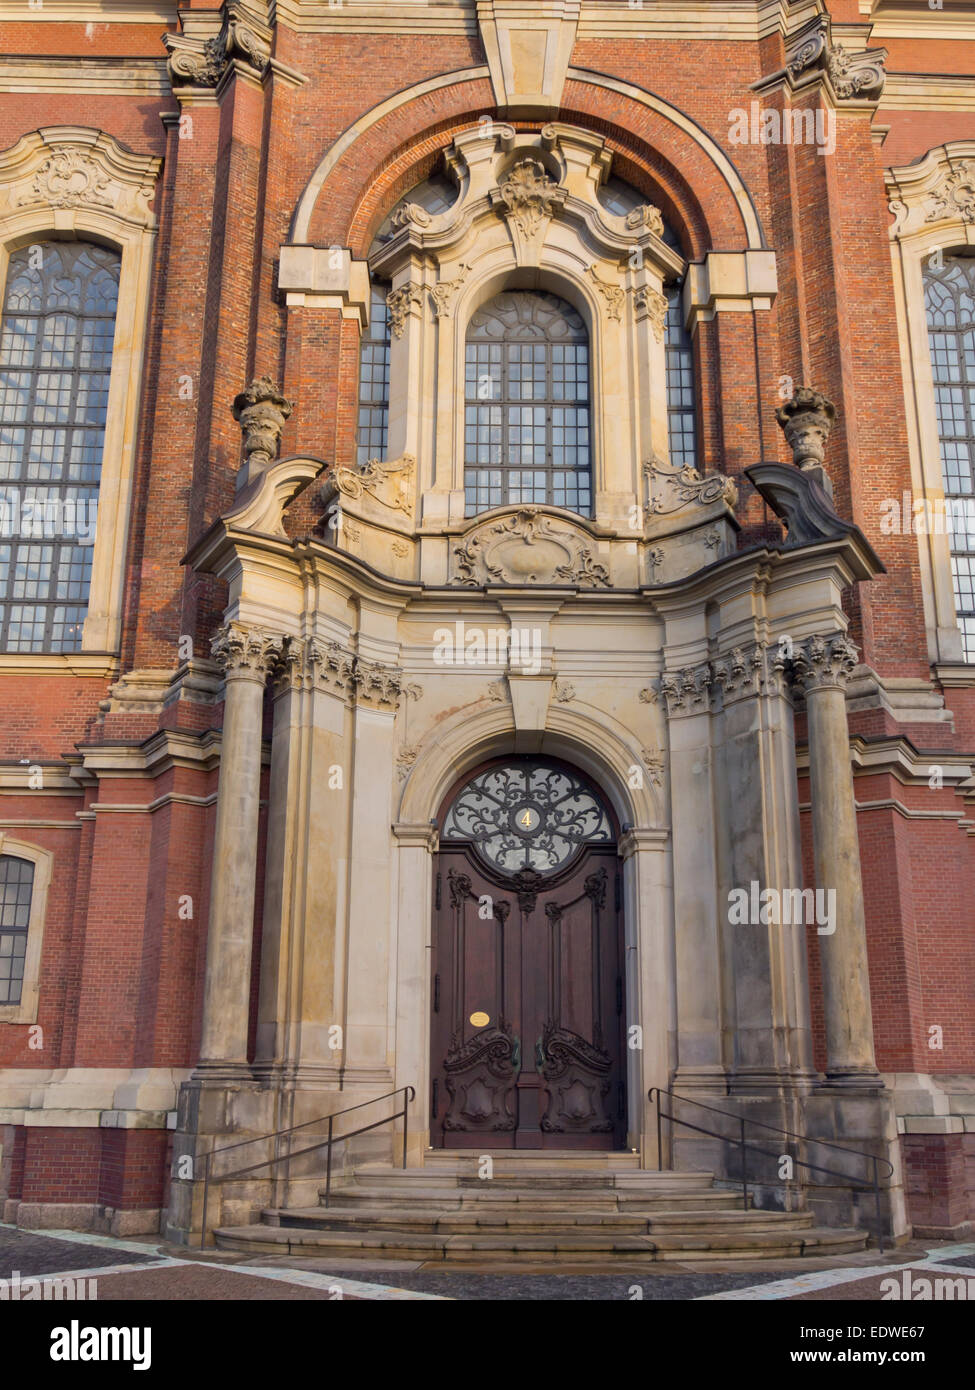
(687, 691)
(246, 653)
(823, 662)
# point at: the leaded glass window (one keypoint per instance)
(56, 334)
(949, 295)
(373, 422)
(526, 426)
(16, 888)
(680, 384)
(527, 815)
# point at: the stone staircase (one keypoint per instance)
(570, 1209)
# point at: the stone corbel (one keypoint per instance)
(729, 282)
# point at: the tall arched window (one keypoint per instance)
(56, 335)
(526, 436)
(16, 890)
(949, 296)
(681, 405)
(373, 423)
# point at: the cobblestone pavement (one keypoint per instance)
(145, 1269)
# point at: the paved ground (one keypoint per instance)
(145, 1270)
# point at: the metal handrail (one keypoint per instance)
(408, 1093)
(872, 1185)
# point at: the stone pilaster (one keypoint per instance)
(246, 655)
(821, 668)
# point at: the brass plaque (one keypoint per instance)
(480, 1020)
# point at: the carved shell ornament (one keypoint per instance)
(529, 194)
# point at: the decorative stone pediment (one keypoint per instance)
(77, 170)
(528, 547)
(938, 189)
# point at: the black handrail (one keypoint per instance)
(655, 1093)
(409, 1095)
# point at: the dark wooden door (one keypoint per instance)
(527, 1034)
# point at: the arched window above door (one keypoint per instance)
(526, 424)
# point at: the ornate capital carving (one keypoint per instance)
(687, 691)
(399, 302)
(244, 38)
(651, 304)
(807, 419)
(377, 685)
(249, 653)
(854, 75)
(261, 411)
(823, 662)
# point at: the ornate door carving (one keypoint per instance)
(528, 1026)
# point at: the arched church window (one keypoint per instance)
(373, 422)
(526, 426)
(56, 336)
(681, 393)
(16, 890)
(949, 295)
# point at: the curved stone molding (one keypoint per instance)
(260, 506)
(527, 547)
(682, 487)
(246, 653)
(824, 661)
(69, 167)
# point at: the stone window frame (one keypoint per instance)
(932, 212)
(77, 183)
(43, 861)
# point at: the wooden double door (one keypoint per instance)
(528, 993)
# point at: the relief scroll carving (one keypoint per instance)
(681, 487)
(527, 547)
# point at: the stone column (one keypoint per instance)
(821, 668)
(246, 655)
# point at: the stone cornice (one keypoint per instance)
(92, 76)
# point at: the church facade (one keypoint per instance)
(487, 627)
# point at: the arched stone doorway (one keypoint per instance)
(527, 1030)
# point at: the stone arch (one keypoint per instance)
(601, 748)
(667, 154)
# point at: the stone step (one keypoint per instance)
(556, 1179)
(502, 1221)
(532, 1160)
(565, 1248)
(461, 1198)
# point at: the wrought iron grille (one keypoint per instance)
(527, 815)
(949, 295)
(526, 435)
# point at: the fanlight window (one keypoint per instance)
(950, 303)
(531, 815)
(527, 413)
(56, 336)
